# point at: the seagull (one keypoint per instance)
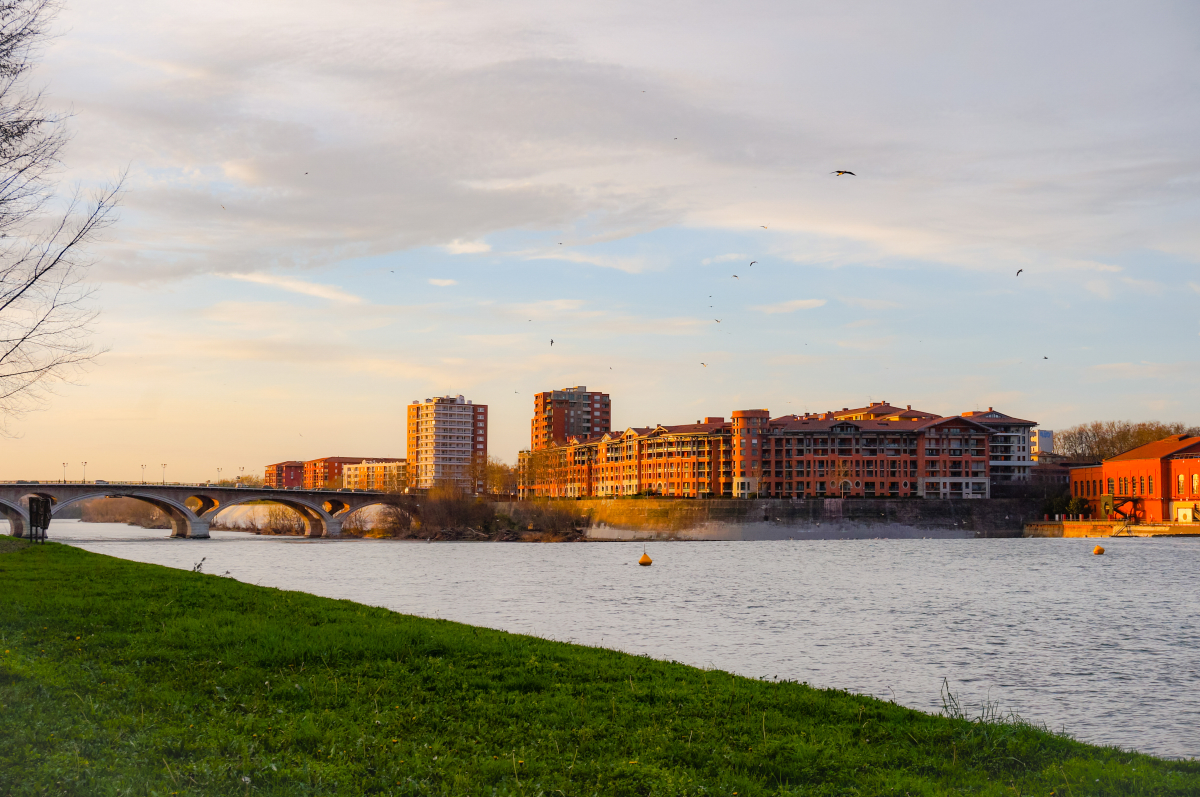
(763, 226)
(1045, 358)
(717, 320)
(222, 207)
(551, 341)
(735, 276)
(840, 172)
(752, 262)
(1019, 271)
(704, 364)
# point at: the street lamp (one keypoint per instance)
(85, 473)
(143, 474)
(64, 473)
(164, 467)
(218, 476)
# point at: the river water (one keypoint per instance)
(1105, 647)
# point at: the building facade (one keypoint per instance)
(1010, 447)
(447, 443)
(559, 415)
(1041, 442)
(794, 456)
(326, 473)
(1155, 483)
(283, 475)
(390, 476)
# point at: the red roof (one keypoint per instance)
(1175, 444)
(990, 416)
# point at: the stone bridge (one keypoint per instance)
(191, 508)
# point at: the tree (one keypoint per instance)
(45, 323)
(1100, 440)
(501, 478)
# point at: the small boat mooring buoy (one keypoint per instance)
(1098, 550)
(645, 561)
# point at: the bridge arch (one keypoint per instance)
(408, 508)
(317, 521)
(184, 522)
(17, 517)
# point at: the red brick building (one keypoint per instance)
(559, 415)
(326, 473)
(1155, 483)
(897, 453)
(283, 475)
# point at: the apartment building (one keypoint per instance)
(1153, 483)
(326, 473)
(897, 453)
(1041, 442)
(559, 415)
(389, 476)
(447, 443)
(1011, 445)
(283, 475)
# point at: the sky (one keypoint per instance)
(333, 210)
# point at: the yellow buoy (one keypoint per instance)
(1098, 550)
(645, 561)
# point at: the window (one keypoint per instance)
(1141, 485)
(1181, 484)
(1195, 483)
(1150, 479)
(1110, 486)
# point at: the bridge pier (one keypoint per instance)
(18, 521)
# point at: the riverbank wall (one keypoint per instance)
(1108, 528)
(835, 518)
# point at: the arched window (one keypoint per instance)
(1150, 480)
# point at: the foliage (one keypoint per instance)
(119, 677)
(1100, 440)
(123, 510)
(44, 319)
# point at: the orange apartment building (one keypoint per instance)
(283, 475)
(559, 415)
(1155, 483)
(874, 451)
(447, 443)
(326, 473)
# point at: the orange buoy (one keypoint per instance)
(645, 561)
(1098, 550)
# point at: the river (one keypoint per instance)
(1106, 648)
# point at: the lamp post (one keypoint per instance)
(218, 476)
(143, 474)
(164, 467)
(85, 473)
(64, 473)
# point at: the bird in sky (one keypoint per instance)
(704, 364)
(752, 262)
(840, 172)
(736, 277)
(551, 341)
(1045, 358)
(763, 226)
(1019, 271)
(717, 320)
(222, 207)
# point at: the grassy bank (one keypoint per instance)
(124, 678)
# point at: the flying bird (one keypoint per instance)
(1045, 358)
(736, 277)
(763, 226)
(752, 262)
(551, 341)
(1019, 271)
(717, 320)
(840, 172)
(704, 364)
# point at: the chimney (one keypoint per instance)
(989, 409)
(910, 406)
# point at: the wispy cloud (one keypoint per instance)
(789, 307)
(293, 285)
(443, 283)
(458, 247)
(731, 257)
(630, 264)
(868, 304)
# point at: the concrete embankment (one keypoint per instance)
(1108, 528)
(726, 519)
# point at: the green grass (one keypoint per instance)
(120, 678)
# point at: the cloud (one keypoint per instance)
(732, 257)
(789, 307)
(294, 285)
(868, 304)
(442, 283)
(630, 264)
(457, 247)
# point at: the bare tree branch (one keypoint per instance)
(45, 320)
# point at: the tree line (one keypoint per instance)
(1101, 440)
